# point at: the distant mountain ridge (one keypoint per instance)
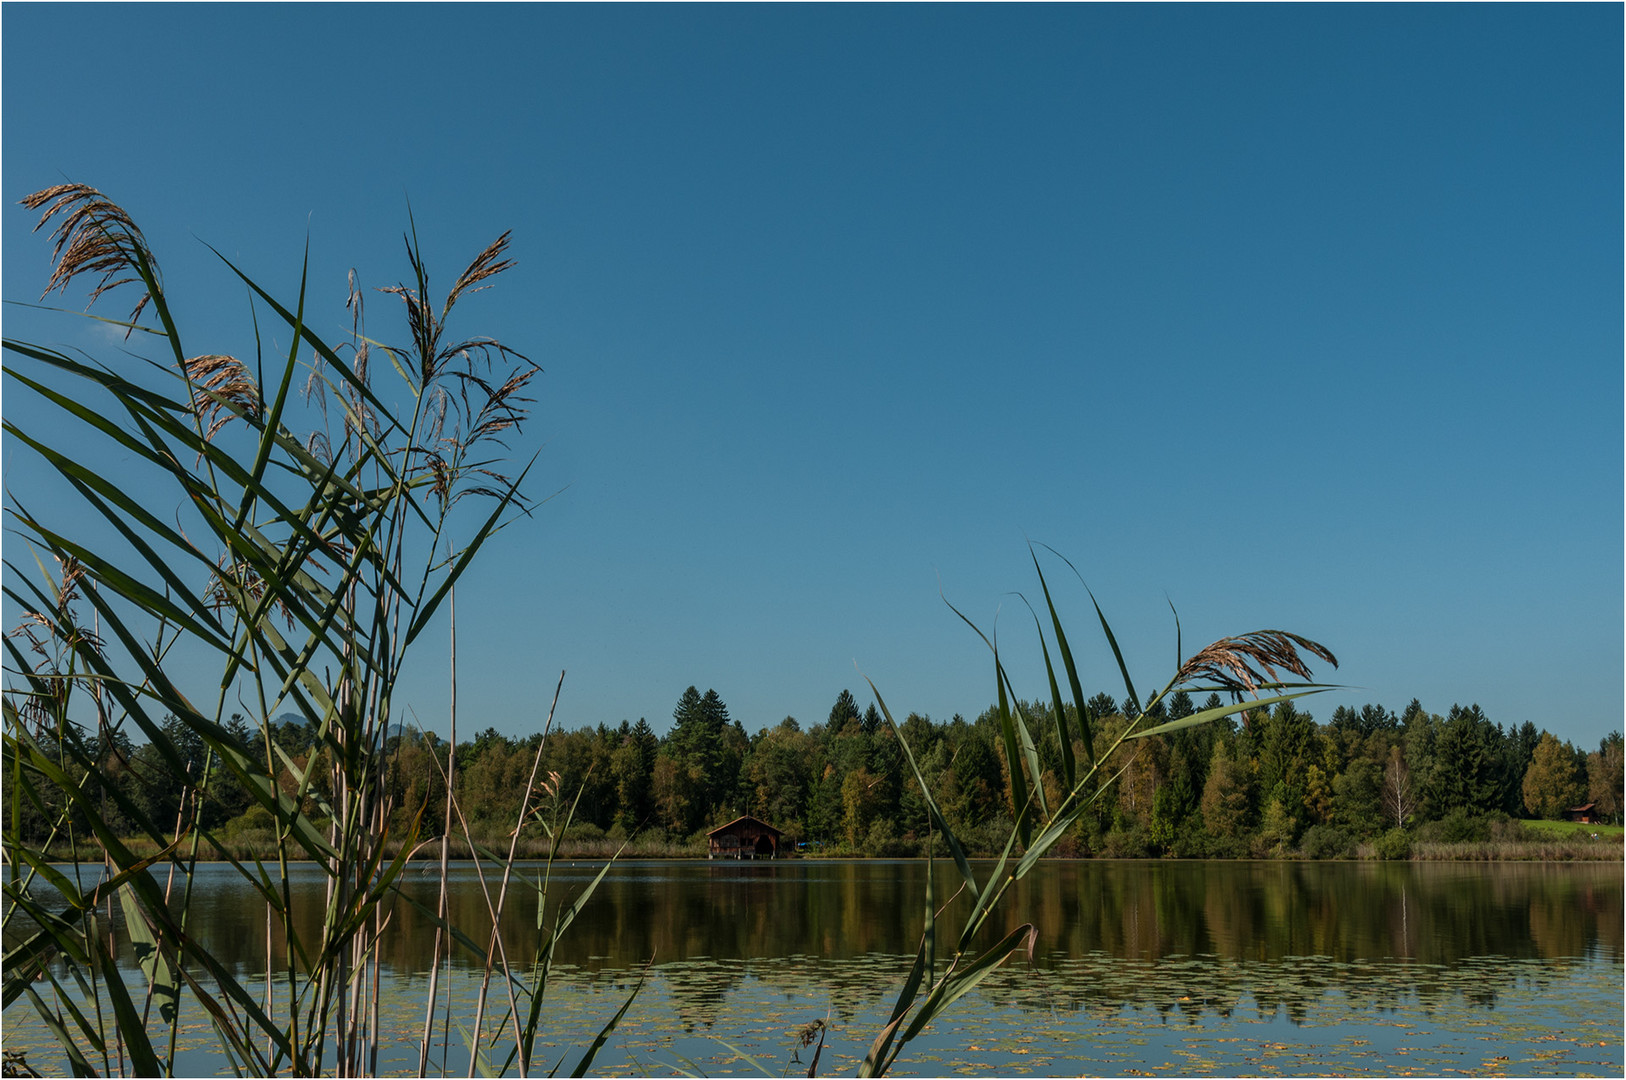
(299, 721)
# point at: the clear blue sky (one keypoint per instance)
(1301, 317)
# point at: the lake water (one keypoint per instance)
(1141, 968)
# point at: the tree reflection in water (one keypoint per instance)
(1189, 943)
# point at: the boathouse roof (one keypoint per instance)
(744, 821)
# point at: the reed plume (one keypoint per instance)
(223, 391)
(94, 236)
(1241, 665)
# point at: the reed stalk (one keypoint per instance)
(1244, 667)
(305, 562)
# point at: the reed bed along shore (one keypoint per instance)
(1600, 850)
(1607, 847)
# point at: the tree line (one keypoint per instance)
(1275, 781)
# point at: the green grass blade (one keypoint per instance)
(603, 1036)
(996, 887)
(77, 1064)
(152, 957)
(279, 401)
(1210, 715)
(1086, 735)
(1013, 753)
(1106, 628)
(131, 1029)
(322, 349)
(1063, 738)
(961, 982)
(136, 591)
(741, 1055)
(900, 1009)
(120, 323)
(427, 609)
(960, 861)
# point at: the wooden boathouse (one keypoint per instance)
(1586, 815)
(743, 838)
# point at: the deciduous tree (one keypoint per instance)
(1604, 775)
(1553, 783)
(1399, 794)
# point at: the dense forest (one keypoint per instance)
(1276, 783)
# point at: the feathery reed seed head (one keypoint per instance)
(1239, 665)
(488, 263)
(94, 236)
(235, 581)
(224, 391)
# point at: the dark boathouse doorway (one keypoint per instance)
(743, 838)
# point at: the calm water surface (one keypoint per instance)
(1141, 967)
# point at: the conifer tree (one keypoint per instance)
(1100, 706)
(845, 709)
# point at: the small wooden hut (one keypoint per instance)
(743, 838)
(1587, 815)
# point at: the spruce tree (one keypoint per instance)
(686, 740)
(845, 708)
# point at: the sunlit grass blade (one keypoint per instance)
(1018, 741)
(1072, 809)
(339, 538)
(152, 956)
(320, 347)
(146, 890)
(120, 323)
(900, 1009)
(958, 982)
(997, 882)
(160, 687)
(1013, 755)
(195, 619)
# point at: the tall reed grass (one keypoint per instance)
(302, 518)
(1243, 667)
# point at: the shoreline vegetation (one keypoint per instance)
(1263, 783)
(1601, 843)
